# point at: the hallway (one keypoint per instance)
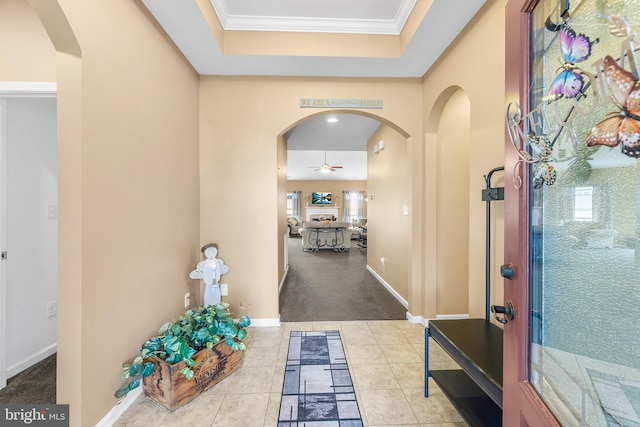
(334, 286)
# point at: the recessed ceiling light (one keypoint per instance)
(332, 119)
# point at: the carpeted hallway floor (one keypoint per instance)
(34, 385)
(334, 286)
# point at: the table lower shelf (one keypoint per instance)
(475, 406)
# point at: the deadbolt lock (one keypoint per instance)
(507, 271)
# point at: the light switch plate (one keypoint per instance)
(52, 211)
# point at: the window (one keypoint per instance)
(583, 203)
(293, 204)
(353, 206)
(289, 204)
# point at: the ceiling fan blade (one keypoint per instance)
(336, 167)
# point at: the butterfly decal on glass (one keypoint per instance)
(574, 48)
(623, 128)
(543, 173)
(539, 156)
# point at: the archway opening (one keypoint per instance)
(384, 260)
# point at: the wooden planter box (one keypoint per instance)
(167, 386)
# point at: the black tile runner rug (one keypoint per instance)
(317, 389)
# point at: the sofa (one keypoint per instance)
(334, 235)
(292, 226)
(587, 234)
(321, 217)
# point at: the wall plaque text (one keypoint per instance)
(340, 103)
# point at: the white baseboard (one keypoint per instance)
(451, 316)
(261, 323)
(284, 277)
(446, 317)
(117, 411)
(31, 360)
(389, 288)
(416, 319)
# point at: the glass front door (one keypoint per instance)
(580, 136)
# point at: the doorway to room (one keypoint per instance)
(28, 229)
(363, 283)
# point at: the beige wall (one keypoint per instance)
(388, 228)
(474, 63)
(241, 119)
(452, 206)
(128, 188)
(335, 187)
(26, 51)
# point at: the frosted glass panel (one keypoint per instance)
(584, 144)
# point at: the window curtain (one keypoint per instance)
(353, 205)
(295, 202)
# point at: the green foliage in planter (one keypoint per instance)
(199, 328)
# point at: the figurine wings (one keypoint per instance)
(219, 267)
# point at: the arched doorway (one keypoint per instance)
(388, 198)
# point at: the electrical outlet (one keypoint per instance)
(224, 289)
(382, 260)
(52, 308)
(187, 299)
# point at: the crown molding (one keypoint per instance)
(404, 11)
(220, 7)
(311, 25)
(315, 25)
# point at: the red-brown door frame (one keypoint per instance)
(521, 404)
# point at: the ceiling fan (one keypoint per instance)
(325, 167)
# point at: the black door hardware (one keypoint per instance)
(507, 310)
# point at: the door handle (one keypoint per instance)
(507, 310)
(507, 271)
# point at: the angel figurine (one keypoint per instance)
(210, 271)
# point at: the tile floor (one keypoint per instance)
(386, 360)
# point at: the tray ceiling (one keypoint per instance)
(323, 38)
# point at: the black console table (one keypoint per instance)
(476, 389)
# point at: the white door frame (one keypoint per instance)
(11, 90)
